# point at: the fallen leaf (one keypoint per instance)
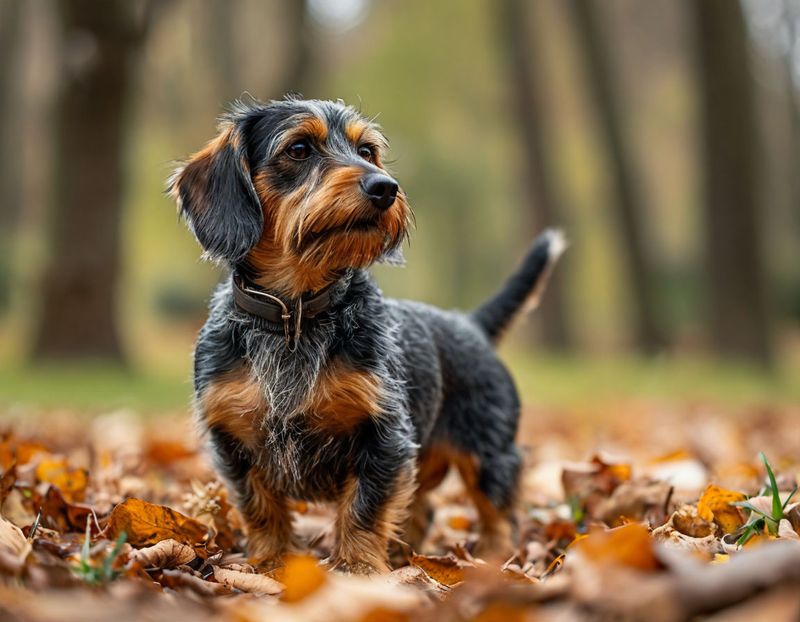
(13, 540)
(147, 523)
(247, 581)
(57, 513)
(636, 501)
(629, 545)
(715, 504)
(445, 569)
(686, 531)
(301, 576)
(165, 554)
(71, 482)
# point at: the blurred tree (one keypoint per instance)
(10, 186)
(300, 69)
(537, 183)
(630, 207)
(221, 35)
(102, 44)
(735, 275)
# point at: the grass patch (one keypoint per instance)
(582, 380)
(547, 381)
(91, 387)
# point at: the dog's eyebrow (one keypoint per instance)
(307, 126)
(361, 131)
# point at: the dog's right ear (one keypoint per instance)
(215, 195)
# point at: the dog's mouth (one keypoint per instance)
(362, 225)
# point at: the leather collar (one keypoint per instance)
(286, 317)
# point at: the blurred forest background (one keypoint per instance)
(663, 136)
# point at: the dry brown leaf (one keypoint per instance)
(686, 531)
(13, 540)
(635, 501)
(247, 581)
(57, 513)
(417, 577)
(591, 483)
(165, 554)
(715, 504)
(147, 523)
(445, 569)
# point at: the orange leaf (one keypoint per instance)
(446, 569)
(147, 523)
(629, 545)
(71, 482)
(460, 523)
(715, 504)
(301, 576)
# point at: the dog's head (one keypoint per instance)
(294, 191)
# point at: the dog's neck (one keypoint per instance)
(281, 274)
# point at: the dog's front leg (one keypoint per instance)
(375, 500)
(265, 511)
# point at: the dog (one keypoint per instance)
(309, 384)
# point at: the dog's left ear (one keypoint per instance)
(215, 195)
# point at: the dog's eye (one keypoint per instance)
(366, 152)
(299, 150)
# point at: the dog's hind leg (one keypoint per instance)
(491, 482)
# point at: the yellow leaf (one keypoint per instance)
(71, 482)
(715, 505)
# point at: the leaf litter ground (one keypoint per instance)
(636, 511)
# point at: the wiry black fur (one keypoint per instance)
(442, 381)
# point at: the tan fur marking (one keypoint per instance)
(311, 127)
(343, 397)
(235, 404)
(195, 171)
(495, 525)
(355, 130)
(362, 550)
(293, 257)
(269, 521)
(434, 463)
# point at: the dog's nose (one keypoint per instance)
(381, 189)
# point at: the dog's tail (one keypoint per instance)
(524, 288)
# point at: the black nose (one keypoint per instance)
(381, 189)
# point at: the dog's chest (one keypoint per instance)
(307, 453)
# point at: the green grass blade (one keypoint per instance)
(777, 508)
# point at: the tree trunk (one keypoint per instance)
(630, 207)
(101, 45)
(537, 184)
(299, 74)
(736, 282)
(10, 173)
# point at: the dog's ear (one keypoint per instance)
(215, 195)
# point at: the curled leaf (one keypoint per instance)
(165, 554)
(247, 581)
